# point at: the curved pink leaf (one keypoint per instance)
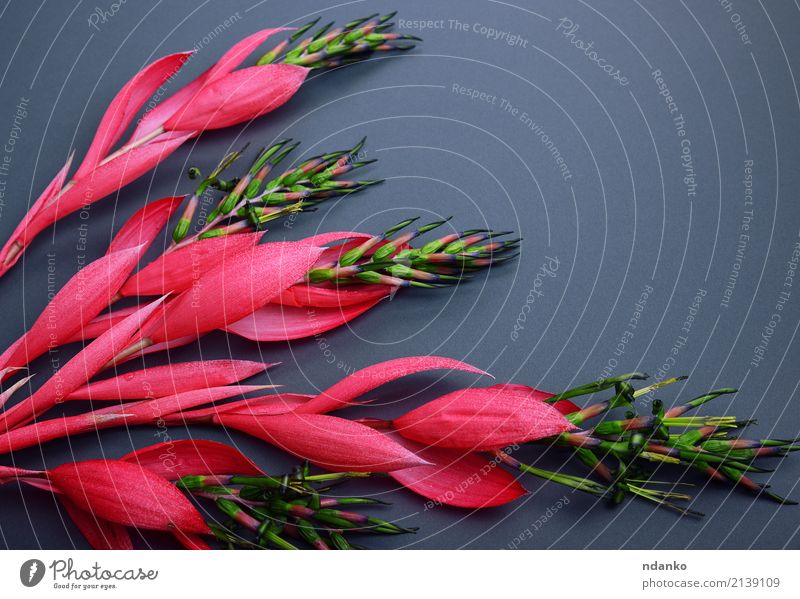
(231, 290)
(175, 271)
(126, 104)
(457, 478)
(78, 370)
(238, 97)
(106, 179)
(349, 388)
(141, 228)
(79, 301)
(275, 322)
(101, 534)
(176, 459)
(160, 381)
(329, 442)
(127, 494)
(192, 542)
(156, 117)
(481, 419)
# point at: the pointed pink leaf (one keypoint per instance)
(127, 494)
(228, 292)
(348, 389)
(481, 419)
(78, 370)
(160, 381)
(175, 459)
(126, 104)
(238, 97)
(269, 405)
(457, 478)
(106, 179)
(156, 117)
(274, 322)
(329, 442)
(175, 271)
(141, 228)
(101, 534)
(79, 301)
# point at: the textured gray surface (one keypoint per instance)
(621, 220)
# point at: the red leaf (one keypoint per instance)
(160, 381)
(457, 478)
(329, 442)
(345, 391)
(481, 419)
(238, 97)
(127, 494)
(275, 322)
(230, 60)
(79, 301)
(78, 370)
(175, 459)
(233, 289)
(126, 104)
(175, 271)
(141, 228)
(101, 534)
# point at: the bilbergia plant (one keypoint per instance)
(221, 97)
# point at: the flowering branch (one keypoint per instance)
(220, 97)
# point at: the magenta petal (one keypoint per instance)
(345, 391)
(141, 228)
(126, 104)
(274, 322)
(304, 295)
(457, 478)
(175, 459)
(329, 442)
(160, 381)
(238, 97)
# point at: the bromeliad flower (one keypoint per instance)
(220, 97)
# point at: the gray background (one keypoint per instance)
(623, 221)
